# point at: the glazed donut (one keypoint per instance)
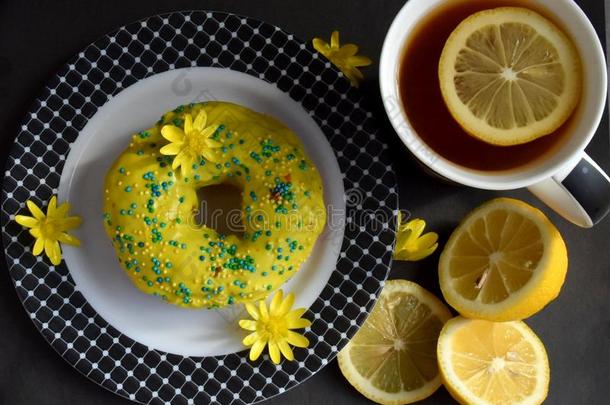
(150, 204)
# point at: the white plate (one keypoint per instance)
(94, 266)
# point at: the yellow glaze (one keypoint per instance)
(149, 210)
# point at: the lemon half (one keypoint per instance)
(392, 358)
(505, 262)
(509, 76)
(493, 363)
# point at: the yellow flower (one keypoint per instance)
(50, 229)
(273, 327)
(411, 245)
(190, 144)
(344, 57)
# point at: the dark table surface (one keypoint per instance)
(37, 37)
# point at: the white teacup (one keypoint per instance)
(566, 180)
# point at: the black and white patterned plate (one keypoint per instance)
(101, 71)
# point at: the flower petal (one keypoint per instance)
(48, 247)
(257, 349)
(347, 50)
(416, 226)
(188, 123)
(295, 314)
(200, 120)
(359, 60)
(37, 212)
(427, 240)
(354, 76)
(185, 169)
(286, 305)
(207, 132)
(172, 133)
(321, 46)
(399, 219)
(68, 239)
(296, 339)
(211, 143)
(53, 251)
(250, 339)
(275, 303)
(262, 309)
(24, 220)
(52, 207)
(210, 155)
(56, 253)
(274, 352)
(38, 247)
(71, 222)
(35, 232)
(334, 40)
(251, 308)
(171, 149)
(185, 162)
(62, 210)
(426, 252)
(247, 324)
(285, 349)
(407, 256)
(401, 254)
(404, 238)
(414, 255)
(298, 323)
(177, 160)
(429, 251)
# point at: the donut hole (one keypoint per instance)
(220, 209)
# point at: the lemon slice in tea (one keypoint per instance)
(509, 76)
(392, 358)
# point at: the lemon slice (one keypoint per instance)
(492, 363)
(505, 262)
(509, 76)
(392, 358)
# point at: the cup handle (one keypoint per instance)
(582, 195)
